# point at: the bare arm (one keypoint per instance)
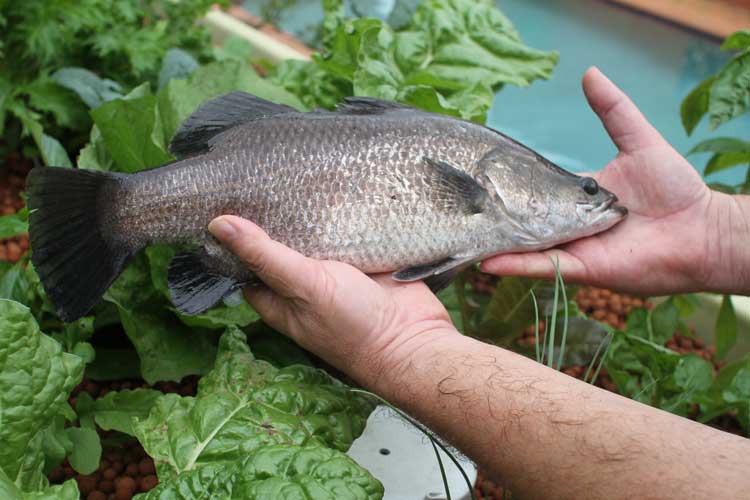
(547, 435)
(543, 433)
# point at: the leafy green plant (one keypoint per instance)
(56, 61)
(724, 96)
(450, 58)
(684, 384)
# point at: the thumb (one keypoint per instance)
(285, 271)
(624, 122)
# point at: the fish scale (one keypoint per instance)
(381, 186)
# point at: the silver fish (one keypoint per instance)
(379, 185)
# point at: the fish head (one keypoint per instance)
(539, 204)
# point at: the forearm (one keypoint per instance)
(725, 267)
(547, 435)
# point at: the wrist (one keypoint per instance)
(725, 266)
(385, 369)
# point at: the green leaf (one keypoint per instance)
(87, 449)
(729, 93)
(244, 404)
(275, 471)
(46, 95)
(92, 89)
(115, 411)
(726, 327)
(127, 126)
(177, 64)
(693, 373)
(721, 145)
(235, 48)
(737, 40)
(14, 224)
(510, 308)
(664, 319)
(36, 378)
(722, 161)
(168, 349)
(179, 98)
(50, 148)
(95, 156)
(66, 491)
(695, 105)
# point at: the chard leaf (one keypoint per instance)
(723, 161)
(179, 98)
(94, 155)
(275, 471)
(726, 327)
(729, 92)
(177, 64)
(66, 491)
(93, 90)
(116, 410)
(244, 405)
(36, 378)
(127, 126)
(168, 350)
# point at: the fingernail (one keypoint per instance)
(222, 229)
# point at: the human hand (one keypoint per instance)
(362, 325)
(664, 245)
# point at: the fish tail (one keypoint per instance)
(75, 255)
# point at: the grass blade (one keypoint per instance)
(442, 470)
(536, 326)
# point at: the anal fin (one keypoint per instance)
(194, 287)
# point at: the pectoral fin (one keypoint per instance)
(436, 276)
(454, 189)
(194, 287)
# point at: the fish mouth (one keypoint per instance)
(609, 204)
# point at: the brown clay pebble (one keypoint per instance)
(86, 484)
(118, 466)
(149, 482)
(131, 470)
(57, 474)
(14, 251)
(103, 465)
(106, 486)
(684, 342)
(125, 483)
(69, 472)
(146, 467)
(96, 495)
(123, 495)
(109, 474)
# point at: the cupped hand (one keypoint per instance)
(662, 246)
(362, 325)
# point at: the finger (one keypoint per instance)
(287, 272)
(625, 124)
(264, 301)
(536, 265)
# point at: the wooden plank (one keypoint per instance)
(715, 17)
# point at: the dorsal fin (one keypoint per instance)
(368, 105)
(219, 115)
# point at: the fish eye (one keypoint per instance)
(589, 185)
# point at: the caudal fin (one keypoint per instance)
(75, 259)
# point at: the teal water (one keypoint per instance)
(654, 62)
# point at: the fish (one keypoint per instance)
(380, 185)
